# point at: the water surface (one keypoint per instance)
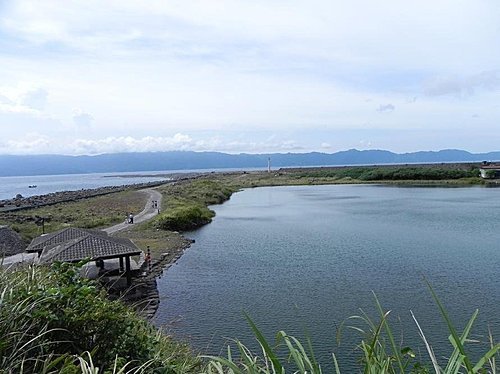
(308, 257)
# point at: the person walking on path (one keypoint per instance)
(147, 213)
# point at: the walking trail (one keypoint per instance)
(147, 213)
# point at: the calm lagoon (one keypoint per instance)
(306, 258)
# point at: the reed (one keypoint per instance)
(378, 350)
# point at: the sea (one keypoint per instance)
(306, 259)
(11, 186)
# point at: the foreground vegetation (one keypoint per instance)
(49, 318)
(53, 321)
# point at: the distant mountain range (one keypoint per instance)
(184, 160)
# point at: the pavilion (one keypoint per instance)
(74, 244)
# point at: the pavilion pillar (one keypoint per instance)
(127, 271)
(121, 264)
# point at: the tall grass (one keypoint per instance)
(49, 317)
(378, 350)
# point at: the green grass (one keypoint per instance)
(94, 212)
(406, 173)
(185, 204)
(52, 316)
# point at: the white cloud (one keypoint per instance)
(31, 143)
(35, 143)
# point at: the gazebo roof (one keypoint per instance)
(57, 237)
(89, 246)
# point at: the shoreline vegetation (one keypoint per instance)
(60, 317)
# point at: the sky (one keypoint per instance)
(254, 76)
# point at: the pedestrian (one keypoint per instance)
(130, 218)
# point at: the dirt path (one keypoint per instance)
(147, 213)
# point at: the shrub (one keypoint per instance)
(185, 217)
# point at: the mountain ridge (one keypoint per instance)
(24, 165)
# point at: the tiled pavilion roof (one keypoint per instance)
(89, 246)
(58, 237)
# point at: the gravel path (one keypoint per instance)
(147, 213)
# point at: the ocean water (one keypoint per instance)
(304, 259)
(11, 186)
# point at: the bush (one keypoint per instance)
(185, 217)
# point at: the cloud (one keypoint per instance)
(462, 86)
(35, 143)
(31, 143)
(82, 119)
(325, 145)
(36, 99)
(386, 108)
